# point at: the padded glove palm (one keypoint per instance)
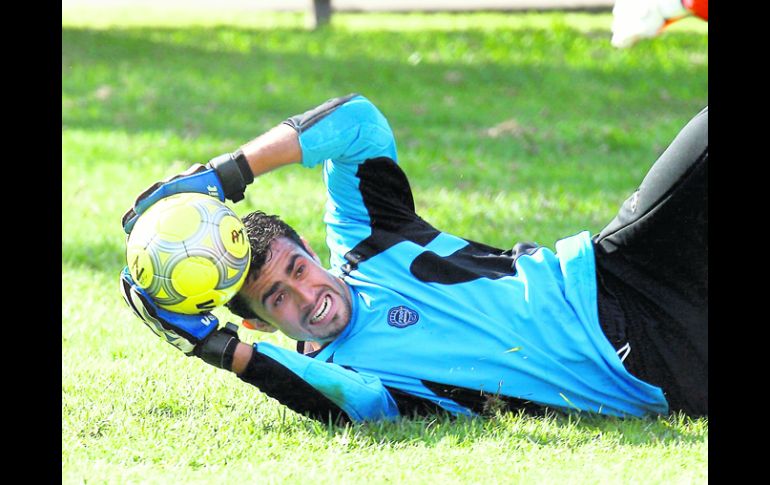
(196, 335)
(182, 331)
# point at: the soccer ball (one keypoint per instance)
(189, 252)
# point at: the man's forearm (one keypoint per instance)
(275, 148)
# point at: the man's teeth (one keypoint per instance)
(323, 310)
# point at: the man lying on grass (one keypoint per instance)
(410, 319)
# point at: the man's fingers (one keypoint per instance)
(143, 309)
(135, 302)
(139, 303)
(126, 293)
(129, 219)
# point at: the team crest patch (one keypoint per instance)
(402, 316)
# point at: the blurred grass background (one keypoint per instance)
(525, 126)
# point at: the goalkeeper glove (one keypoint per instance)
(196, 335)
(224, 177)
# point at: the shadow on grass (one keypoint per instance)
(471, 109)
(435, 87)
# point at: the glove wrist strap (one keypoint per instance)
(243, 166)
(219, 348)
(234, 173)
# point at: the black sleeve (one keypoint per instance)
(280, 383)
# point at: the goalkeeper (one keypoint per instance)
(411, 319)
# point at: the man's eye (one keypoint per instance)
(300, 270)
(278, 300)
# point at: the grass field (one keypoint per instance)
(511, 127)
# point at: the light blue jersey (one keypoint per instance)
(439, 321)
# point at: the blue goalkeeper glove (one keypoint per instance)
(195, 335)
(224, 177)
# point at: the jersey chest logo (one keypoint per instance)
(402, 316)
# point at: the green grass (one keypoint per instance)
(511, 127)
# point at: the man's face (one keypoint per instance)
(296, 295)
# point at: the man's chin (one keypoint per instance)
(328, 331)
(327, 337)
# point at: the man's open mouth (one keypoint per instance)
(323, 310)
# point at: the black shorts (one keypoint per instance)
(652, 273)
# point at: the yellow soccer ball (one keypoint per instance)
(189, 252)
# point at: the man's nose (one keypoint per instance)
(305, 296)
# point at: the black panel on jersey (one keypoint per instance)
(464, 265)
(468, 263)
(388, 199)
(409, 405)
(479, 402)
(380, 241)
(280, 383)
(386, 194)
(302, 122)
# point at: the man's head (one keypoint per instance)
(287, 289)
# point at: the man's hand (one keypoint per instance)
(638, 19)
(182, 331)
(196, 335)
(225, 176)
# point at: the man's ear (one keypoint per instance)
(256, 324)
(310, 250)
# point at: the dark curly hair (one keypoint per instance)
(261, 229)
